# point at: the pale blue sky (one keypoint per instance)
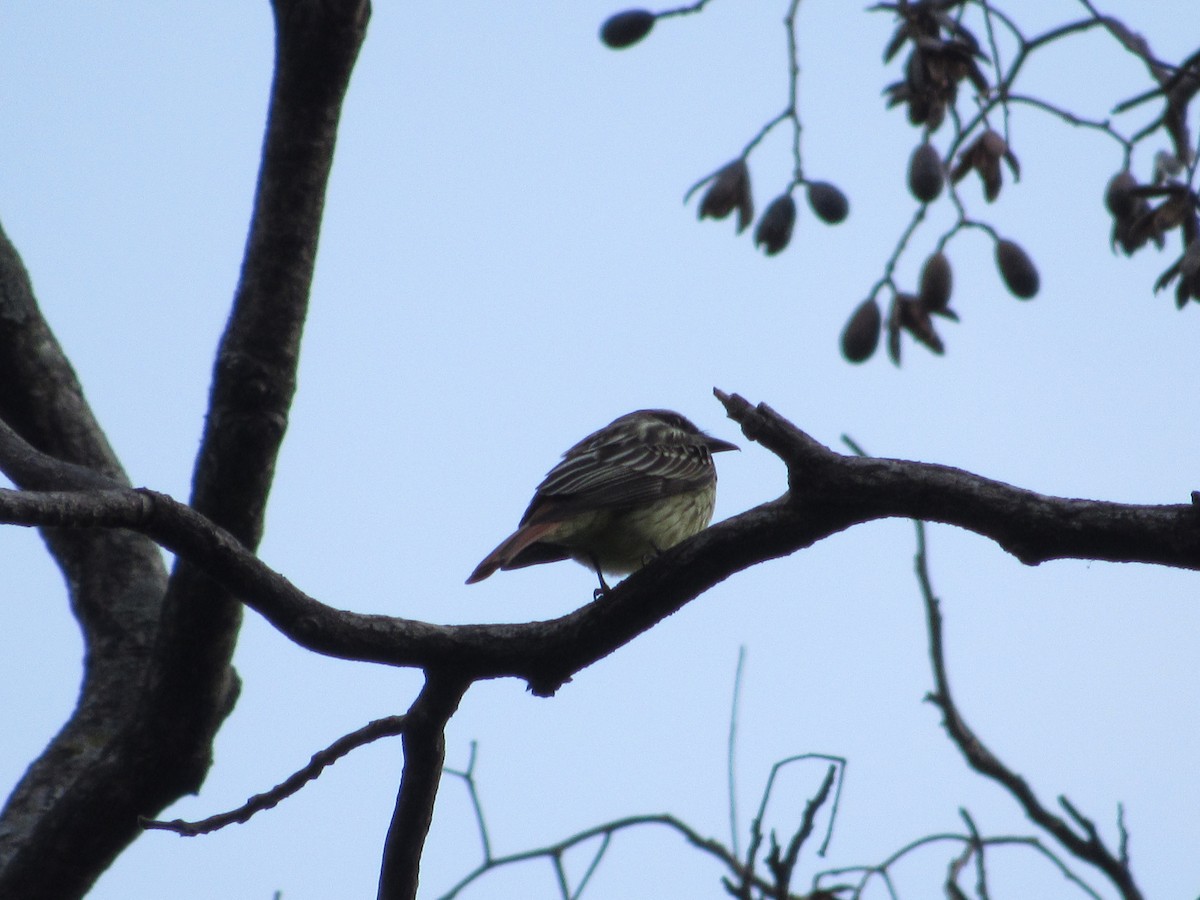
(505, 266)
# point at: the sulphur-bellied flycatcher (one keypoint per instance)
(634, 488)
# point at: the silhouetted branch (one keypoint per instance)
(158, 681)
(468, 777)
(828, 493)
(745, 874)
(424, 755)
(731, 752)
(882, 870)
(321, 760)
(1087, 848)
(945, 61)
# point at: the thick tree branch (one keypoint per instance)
(424, 755)
(40, 397)
(172, 684)
(115, 580)
(254, 378)
(830, 493)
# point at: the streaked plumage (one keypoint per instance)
(638, 486)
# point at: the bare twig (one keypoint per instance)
(468, 777)
(373, 731)
(551, 851)
(731, 753)
(1089, 848)
(158, 681)
(882, 870)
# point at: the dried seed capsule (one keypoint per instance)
(1118, 196)
(925, 173)
(895, 314)
(860, 337)
(729, 190)
(775, 227)
(914, 318)
(1017, 269)
(829, 203)
(626, 28)
(936, 283)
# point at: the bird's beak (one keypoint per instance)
(716, 445)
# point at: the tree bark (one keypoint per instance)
(158, 680)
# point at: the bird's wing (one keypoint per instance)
(618, 474)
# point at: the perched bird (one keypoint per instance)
(634, 488)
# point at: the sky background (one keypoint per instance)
(505, 266)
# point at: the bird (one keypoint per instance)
(634, 488)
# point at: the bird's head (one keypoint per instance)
(663, 426)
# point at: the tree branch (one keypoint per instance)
(424, 755)
(829, 493)
(1089, 848)
(158, 682)
(115, 579)
(389, 726)
(193, 686)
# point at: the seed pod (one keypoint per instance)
(925, 174)
(730, 190)
(829, 203)
(936, 283)
(860, 337)
(1118, 196)
(1017, 269)
(895, 313)
(626, 28)
(1189, 274)
(775, 227)
(914, 318)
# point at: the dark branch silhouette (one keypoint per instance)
(389, 726)
(158, 682)
(828, 493)
(1087, 847)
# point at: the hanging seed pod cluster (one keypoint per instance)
(1147, 214)
(944, 59)
(728, 189)
(958, 63)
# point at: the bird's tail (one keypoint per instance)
(510, 548)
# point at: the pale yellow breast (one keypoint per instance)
(624, 540)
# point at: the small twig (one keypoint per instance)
(390, 726)
(683, 10)
(889, 268)
(882, 869)
(1101, 125)
(587, 875)
(789, 23)
(712, 847)
(839, 763)
(981, 889)
(1123, 843)
(994, 48)
(731, 752)
(786, 864)
(954, 869)
(560, 873)
(468, 776)
(765, 130)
